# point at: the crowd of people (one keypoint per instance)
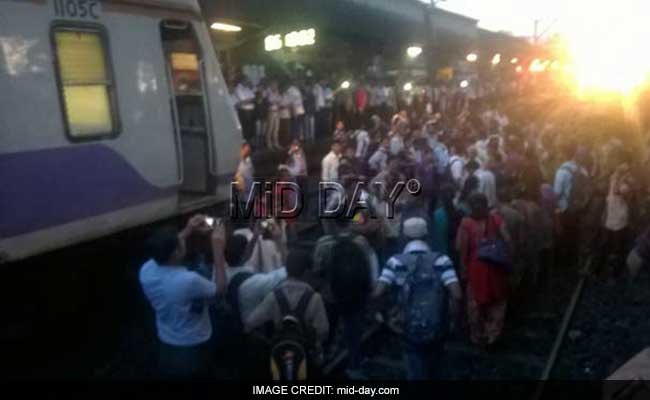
(505, 208)
(275, 112)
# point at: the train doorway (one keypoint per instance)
(187, 100)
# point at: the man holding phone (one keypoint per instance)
(173, 291)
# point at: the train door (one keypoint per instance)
(188, 103)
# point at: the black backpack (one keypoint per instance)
(292, 343)
(581, 190)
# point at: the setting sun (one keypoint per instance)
(608, 45)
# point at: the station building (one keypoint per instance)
(347, 37)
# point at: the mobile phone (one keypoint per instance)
(209, 221)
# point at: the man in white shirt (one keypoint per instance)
(487, 185)
(396, 144)
(400, 131)
(457, 169)
(246, 288)
(297, 163)
(330, 164)
(319, 95)
(297, 111)
(269, 247)
(244, 99)
(379, 160)
(179, 299)
(362, 139)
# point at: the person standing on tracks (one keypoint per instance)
(573, 192)
(330, 163)
(425, 280)
(246, 289)
(487, 291)
(344, 263)
(297, 111)
(244, 99)
(274, 99)
(179, 299)
(294, 296)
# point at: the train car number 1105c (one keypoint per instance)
(77, 8)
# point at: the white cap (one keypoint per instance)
(415, 228)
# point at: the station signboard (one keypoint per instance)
(305, 37)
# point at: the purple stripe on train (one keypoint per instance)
(44, 188)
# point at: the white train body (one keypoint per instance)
(113, 114)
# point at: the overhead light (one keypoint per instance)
(471, 57)
(464, 84)
(345, 85)
(414, 51)
(305, 37)
(519, 69)
(221, 26)
(273, 42)
(514, 60)
(408, 86)
(496, 59)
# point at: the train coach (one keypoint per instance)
(113, 114)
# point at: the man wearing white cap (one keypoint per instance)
(424, 279)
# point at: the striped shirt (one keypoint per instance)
(394, 269)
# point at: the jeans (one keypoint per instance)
(423, 360)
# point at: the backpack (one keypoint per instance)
(449, 176)
(423, 298)
(580, 194)
(291, 344)
(326, 273)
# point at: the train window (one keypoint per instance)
(86, 85)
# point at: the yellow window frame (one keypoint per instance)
(87, 95)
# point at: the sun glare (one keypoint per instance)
(608, 45)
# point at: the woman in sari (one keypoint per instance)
(487, 291)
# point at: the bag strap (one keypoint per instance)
(283, 302)
(233, 288)
(301, 307)
(303, 303)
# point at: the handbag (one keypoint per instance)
(493, 251)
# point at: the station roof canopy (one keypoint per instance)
(363, 20)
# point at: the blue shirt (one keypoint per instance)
(174, 292)
(563, 185)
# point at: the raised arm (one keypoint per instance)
(219, 265)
